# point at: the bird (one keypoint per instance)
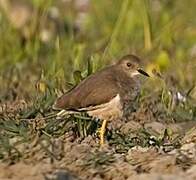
(107, 94)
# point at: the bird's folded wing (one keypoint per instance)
(98, 96)
(94, 90)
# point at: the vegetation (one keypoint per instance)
(62, 42)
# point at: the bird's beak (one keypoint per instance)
(143, 72)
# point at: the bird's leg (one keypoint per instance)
(102, 132)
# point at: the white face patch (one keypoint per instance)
(134, 73)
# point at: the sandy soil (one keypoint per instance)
(128, 154)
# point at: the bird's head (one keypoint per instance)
(130, 65)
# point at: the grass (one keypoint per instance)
(161, 33)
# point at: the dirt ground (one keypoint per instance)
(85, 161)
(48, 47)
(138, 148)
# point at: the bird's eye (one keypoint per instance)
(128, 64)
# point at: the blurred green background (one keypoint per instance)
(47, 40)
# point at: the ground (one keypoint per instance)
(47, 47)
(136, 148)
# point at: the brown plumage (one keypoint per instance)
(106, 93)
(90, 92)
(100, 87)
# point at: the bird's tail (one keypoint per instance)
(64, 113)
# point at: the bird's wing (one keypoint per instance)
(94, 90)
(99, 95)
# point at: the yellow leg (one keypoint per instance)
(102, 132)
